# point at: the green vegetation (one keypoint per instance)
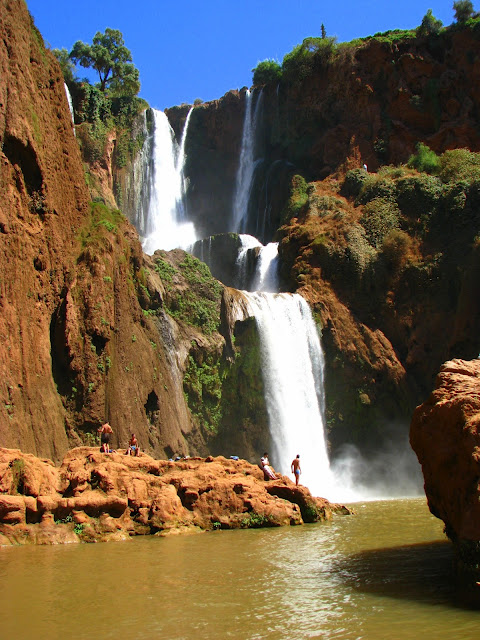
(199, 305)
(111, 104)
(459, 164)
(256, 521)
(66, 64)
(202, 384)
(430, 25)
(268, 72)
(380, 216)
(307, 57)
(317, 52)
(112, 61)
(424, 160)
(92, 234)
(298, 199)
(463, 11)
(165, 270)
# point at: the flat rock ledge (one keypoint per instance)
(94, 497)
(445, 435)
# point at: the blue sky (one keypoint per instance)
(186, 50)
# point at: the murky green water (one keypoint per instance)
(384, 573)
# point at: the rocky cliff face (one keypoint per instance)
(380, 313)
(445, 435)
(43, 204)
(370, 103)
(92, 329)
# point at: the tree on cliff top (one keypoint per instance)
(111, 60)
(429, 25)
(463, 11)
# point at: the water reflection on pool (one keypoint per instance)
(385, 572)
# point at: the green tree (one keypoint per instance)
(66, 65)
(424, 160)
(111, 60)
(267, 72)
(429, 25)
(463, 10)
(323, 31)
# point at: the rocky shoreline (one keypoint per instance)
(94, 497)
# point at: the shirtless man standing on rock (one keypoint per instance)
(105, 432)
(296, 469)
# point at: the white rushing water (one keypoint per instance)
(70, 105)
(247, 163)
(292, 368)
(166, 225)
(246, 244)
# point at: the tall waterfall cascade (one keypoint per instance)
(166, 226)
(291, 350)
(247, 164)
(292, 368)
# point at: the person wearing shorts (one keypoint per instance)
(296, 469)
(105, 432)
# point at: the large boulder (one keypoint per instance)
(445, 435)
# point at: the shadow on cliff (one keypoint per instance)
(421, 572)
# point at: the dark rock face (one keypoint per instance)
(445, 435)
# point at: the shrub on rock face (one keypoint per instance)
(353, 183)
(377, 186)
(459, 164)
(396, 248)
(380, 216)
(298, 199)
(424, 160)
(419, 195)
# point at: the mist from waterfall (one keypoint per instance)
(246, 167)
(166, 226)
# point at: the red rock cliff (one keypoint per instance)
(445, 435)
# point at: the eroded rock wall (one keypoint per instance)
(445, 435)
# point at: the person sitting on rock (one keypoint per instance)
(267, 469)
(133, 449)
(105, 432)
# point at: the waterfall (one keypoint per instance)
(180, 164)
(266, 276)
(141, 178)
(292, 367)
(70, 105)
(246, 167)
(241, 267)
(165, 224)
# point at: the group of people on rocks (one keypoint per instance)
(106, 431)
(269, 473)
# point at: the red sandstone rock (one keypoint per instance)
(445, 435)
(113, 496)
